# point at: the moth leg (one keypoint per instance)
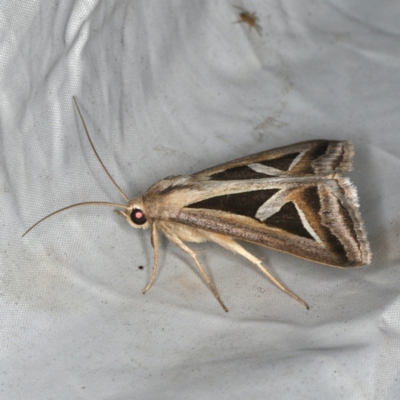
(230, 244)
(188, 250)
(154, 243)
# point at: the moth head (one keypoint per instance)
(135, 214)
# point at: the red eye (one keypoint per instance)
(137, 217)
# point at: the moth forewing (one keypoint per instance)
(292, 199)
(310, 217)
(314, 157)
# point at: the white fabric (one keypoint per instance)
(168, 88)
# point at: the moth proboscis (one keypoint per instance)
(251, 19)
(293, 199)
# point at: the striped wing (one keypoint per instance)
(291, 199)
(313, 218)
(315, 157)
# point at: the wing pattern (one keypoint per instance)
(315, 157)
(292, 199)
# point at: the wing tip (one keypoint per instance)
(339, 156)
(347, 159)
(364, 254)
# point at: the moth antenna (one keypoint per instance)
(87, 203)
(97, 155)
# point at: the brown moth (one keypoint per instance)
(293, 199)
(251, 19)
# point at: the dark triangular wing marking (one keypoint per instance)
(237, 173)
(282, 163)
(245, 203)
(315, 157)
(289, 220)
(248, 203)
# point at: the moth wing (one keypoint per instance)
(316, 218)
(315, 157)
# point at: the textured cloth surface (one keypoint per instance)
(168, 88)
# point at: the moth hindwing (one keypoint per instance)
(293, 199)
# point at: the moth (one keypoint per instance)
(251, 19)
(293, 199)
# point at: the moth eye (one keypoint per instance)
(138, 217)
